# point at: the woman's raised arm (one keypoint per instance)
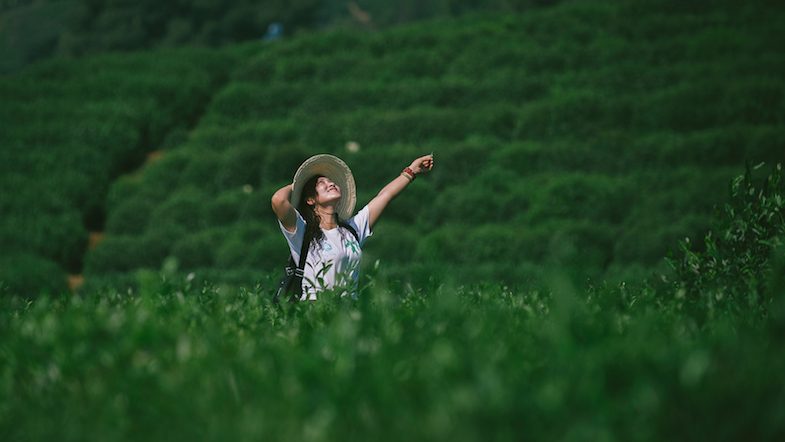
(391, 190)
(283, 209)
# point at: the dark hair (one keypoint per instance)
(308, 213)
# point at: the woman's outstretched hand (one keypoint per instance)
(422, 164)
(376, 206)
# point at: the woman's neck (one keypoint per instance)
(327, 217)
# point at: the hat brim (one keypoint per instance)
(337, 171)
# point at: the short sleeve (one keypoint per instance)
(361, 224)
(295, 239)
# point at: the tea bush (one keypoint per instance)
(225, 208)
(117, 253)
(22, 272)
(184, 209)
(197, 250)
(729, 274)
(248, 100)
(131, 217)
(245, 245)
(598, 198)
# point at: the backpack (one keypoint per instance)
(292, 281)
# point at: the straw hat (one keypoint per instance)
(336, 170)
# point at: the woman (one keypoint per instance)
(318, 206)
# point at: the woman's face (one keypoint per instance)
(326, 191)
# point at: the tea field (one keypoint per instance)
(608, 131)
(570, 126)
(597, 255)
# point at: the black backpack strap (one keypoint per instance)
(348, 227)
(299, 271)
(292, 282)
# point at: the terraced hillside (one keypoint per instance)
(572, 124)
(591, 135)
(69, 128)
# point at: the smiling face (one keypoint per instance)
(325, 192)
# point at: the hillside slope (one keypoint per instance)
(70, 128)
(591, 135)
(575, 135)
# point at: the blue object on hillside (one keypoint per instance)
(274, 32)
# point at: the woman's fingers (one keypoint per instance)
(427, 162)
(423, 164)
